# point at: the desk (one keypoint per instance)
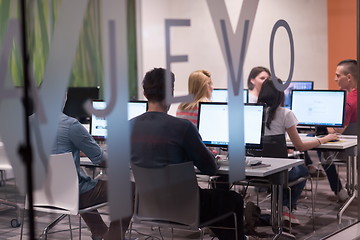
(277, 174)
(346, 142)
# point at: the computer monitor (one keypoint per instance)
(213, 124)
(221, 95)
(98, 125)
(318, 108)
(76, 97)
(136, 108)
(296, 85)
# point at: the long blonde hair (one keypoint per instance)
(198, 86)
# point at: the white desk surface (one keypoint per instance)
(346, 141)
(276, 165)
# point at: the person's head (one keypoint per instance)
(154, 84)
(257, 76)
(200, 84)
(272, 97)
(346, 74)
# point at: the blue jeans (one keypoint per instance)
(294, 174)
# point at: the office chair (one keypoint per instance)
(275, 146)
(6, 166)
(169, 197)
(60, 193)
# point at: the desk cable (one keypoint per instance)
(329, 160)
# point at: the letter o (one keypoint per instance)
(281, 23)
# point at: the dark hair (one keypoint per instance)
(350, 67)
(154, 84)
(253, 74)
(272, 97)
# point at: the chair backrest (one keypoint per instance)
(4, 161)
(60, 192)
(273, 146)
(169, 194)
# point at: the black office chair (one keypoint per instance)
(275, 146)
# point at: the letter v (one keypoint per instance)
(233, 52)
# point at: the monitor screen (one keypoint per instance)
(76, 97)
(136, 108)
(98, 125)
(213, 124)
(296, 85)
(221, 95)
(319, 107)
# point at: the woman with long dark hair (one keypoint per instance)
(279, 121)
(256, 78)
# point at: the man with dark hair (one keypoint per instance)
(158, 139)
(73, 137)
(346, 76)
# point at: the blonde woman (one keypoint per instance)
(201, 86)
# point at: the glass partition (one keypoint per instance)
(113, 43)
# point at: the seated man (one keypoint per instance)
(158, 139)
(346, 76)
(73, 137)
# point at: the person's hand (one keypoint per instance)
(330, 137)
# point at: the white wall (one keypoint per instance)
(307, 19)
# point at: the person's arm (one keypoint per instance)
(303, 146)
(336, 130)
(81, 139)
(198, 153)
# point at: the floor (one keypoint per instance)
(326, 208)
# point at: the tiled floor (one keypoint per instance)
(325, 218)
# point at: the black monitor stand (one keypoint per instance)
(318, 131)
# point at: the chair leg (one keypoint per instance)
(79, 227)
(236, 228)
(201, 233)
(71, 235)
(130, 229)
(51, 225)
(22, 225)
(289, 188)
(312, 203)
